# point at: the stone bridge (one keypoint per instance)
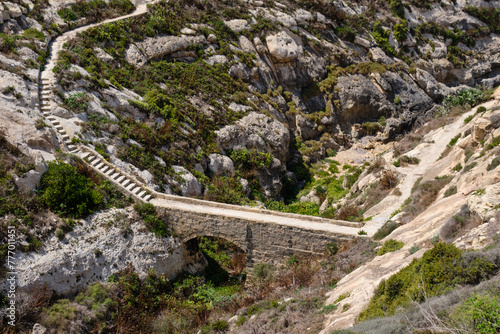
(264, 236)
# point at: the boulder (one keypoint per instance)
(38, 329)
(14, 9)
(217, 59)
(302, 16)
(361, 100)
(430, 85)
(282, 47)
(103, 55)
(31, 180)
(311, 197)
(483, 203)
(220, 165)
(238, 25)
(138, 54)
(240, 71)
(190, 187)
(250, 131)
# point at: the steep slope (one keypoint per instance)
(475, 187)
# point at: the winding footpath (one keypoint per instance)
(134, 188)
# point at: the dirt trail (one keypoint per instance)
(434, 143)
(56, 45)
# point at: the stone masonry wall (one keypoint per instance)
(261, 241)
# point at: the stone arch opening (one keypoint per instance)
(226, 260)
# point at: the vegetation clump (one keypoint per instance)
(438, 271)
(390, 245)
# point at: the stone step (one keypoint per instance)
(147, 198)
(125, 183)
(131, 186)
(137, 191)
(104, 169)
(47, 108)
(96, 162)
(85, 155)
(92, 159)
(120, 179)
(115, 175)
(142, 193)
(65, 137)
(71, 147)
(110, 172)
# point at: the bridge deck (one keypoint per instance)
(226, 211)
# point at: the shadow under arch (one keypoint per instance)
(226, 259)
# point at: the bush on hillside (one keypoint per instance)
(67, 192)
(438, 271)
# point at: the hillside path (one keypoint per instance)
(429, 151)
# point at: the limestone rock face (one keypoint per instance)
(31, 180)
(138, 54)
(430, 85)
(220, 165)
(483, 204)
(360, 99)
(118, 99)
(27, 91)
(190, 186)
(100, 246)
(282, 47)
(302, 16)
(250, 131)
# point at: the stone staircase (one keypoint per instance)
(125, 182)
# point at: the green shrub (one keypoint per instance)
(67, 192)
(437, 271)
(390, 245)
(494, 164)
(225, 190)
(458, 167)
(263, 271)
(371, 127)
(304, 208)
(220, 325)
(155, 224)
(494, 143)
(346, 32)
(406, 160)
(385, 230)
(332, 248)
(400, 31)
(454, 140)
(414, 249)
(467, 97)
(450, 191)
(468, 119)
(482, 311)
(248, 159)
(77, 102)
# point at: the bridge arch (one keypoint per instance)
(262, 242)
